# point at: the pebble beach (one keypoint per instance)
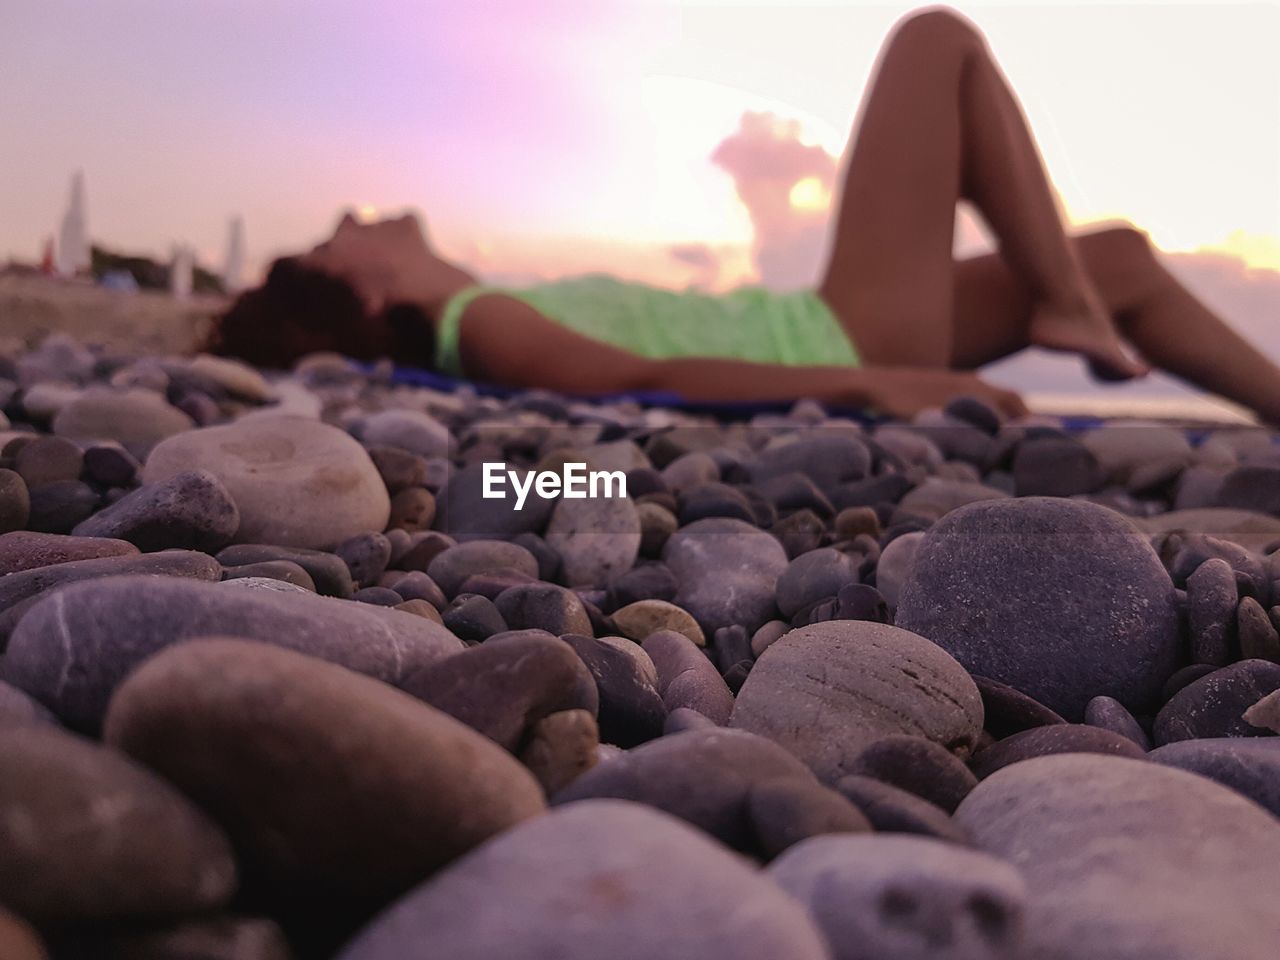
(281, 677)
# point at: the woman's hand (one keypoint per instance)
(380, 260)
(905, 391)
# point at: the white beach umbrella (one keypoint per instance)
(73, 238)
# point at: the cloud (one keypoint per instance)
(766, 159)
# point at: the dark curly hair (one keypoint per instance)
(300, 310)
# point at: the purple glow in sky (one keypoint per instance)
(550, 136)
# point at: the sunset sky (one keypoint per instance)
(553, 136)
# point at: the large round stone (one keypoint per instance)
(297, 482)
(136, 418)
(592, 880)
(1131, 860)
(727, 571)
(828, 690)
(87, 834)
(72, 648)
(700, 776)
(909, 898)
(330, 784)
(1061, 599)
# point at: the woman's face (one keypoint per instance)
(378, 260)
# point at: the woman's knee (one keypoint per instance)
(1119, 245)
(937, 26)
(1122, 264)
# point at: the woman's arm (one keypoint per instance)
(504, 340)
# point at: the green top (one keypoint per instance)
(749, 323)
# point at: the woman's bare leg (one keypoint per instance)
(939, 124)
(1164, 320)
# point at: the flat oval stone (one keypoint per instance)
(47, 460)
(26, 549)
(597, 538)
(895, 565)
(234, 377)
(187, 511)
(1255, 488)
(328, 571)
(1247, 528)
(366, 556)
(1122, 447)
(827, 691)
(452, 566)
(910, 898)
(727, 571)
(18, 591)
(399, 469)
(1057, 738)
(935, 498)
(920, 766)
(700, 776)
(1211, 612)
(136, 418)
(1248, 766)
(561, 747)
(1259, 639)
(474, 618)
(827, 457)
(413, 509)
(87, 834)
(341, 788)
(1214, 705)
(1109, 714)
(1007, 710)
(789, 811)
(1055, 467)
(1098, 839)
(813, 576)
(73, 648)
(645, 617)
(543, 606)
(891, 809)
(412, 430)
(503, 687)
(639, 884)
(285, 571)
(1062, 599)
(57, 507)
(687, 679)
(297, 482)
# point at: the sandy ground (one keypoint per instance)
(147, 321)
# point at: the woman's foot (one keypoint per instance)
(1086, 330)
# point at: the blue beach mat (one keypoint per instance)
(745, 410)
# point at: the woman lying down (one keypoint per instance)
(896, 324)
